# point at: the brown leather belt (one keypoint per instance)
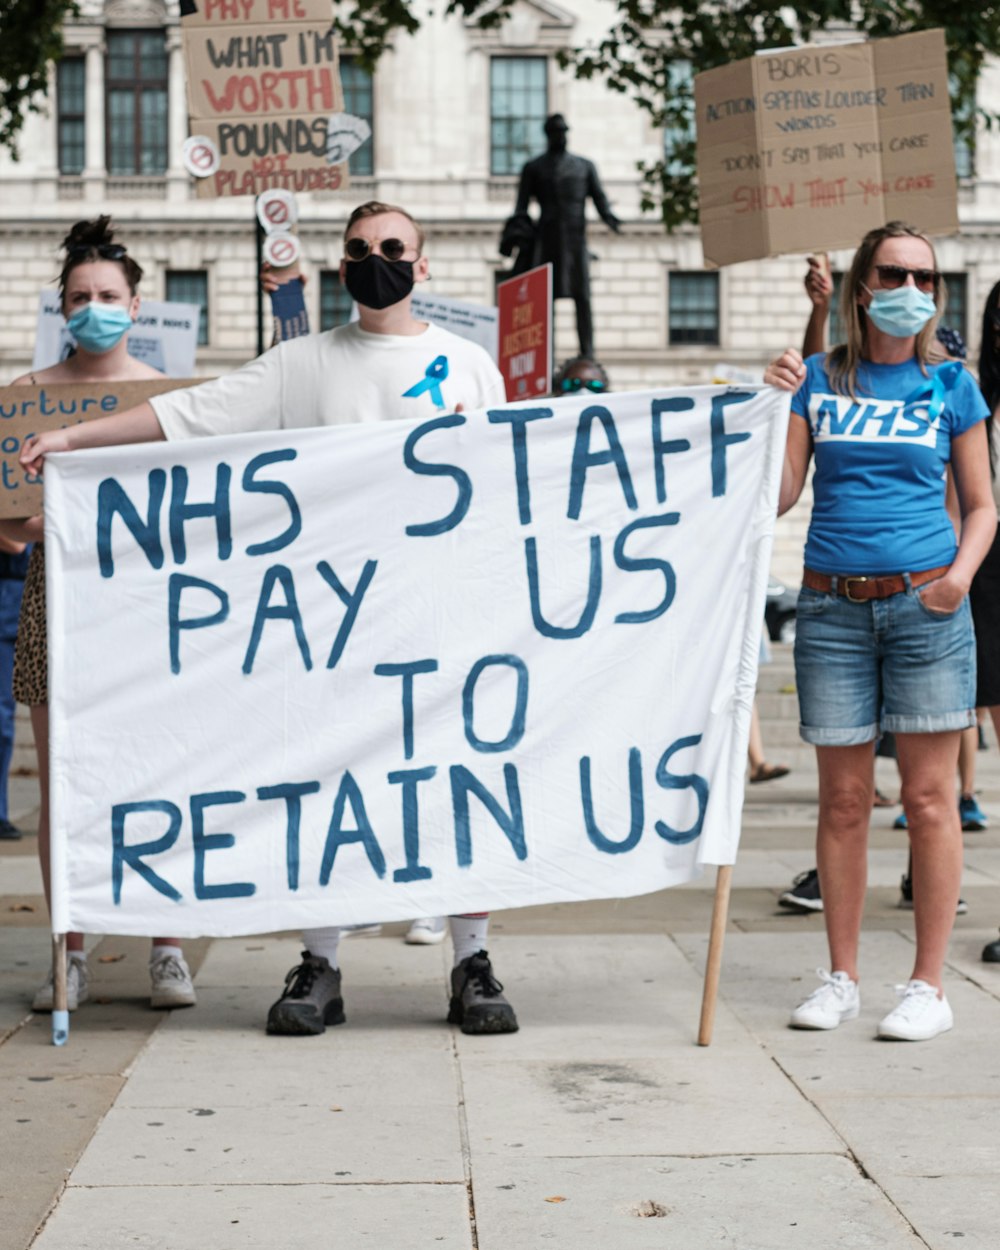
(862, 589)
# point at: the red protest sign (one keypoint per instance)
(524, 305)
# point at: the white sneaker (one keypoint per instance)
(427, 931)
(170, 982)
(837, 999)
(919, 1015)
(76, 987)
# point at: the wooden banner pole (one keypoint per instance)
(60, 1009)
(713, 965)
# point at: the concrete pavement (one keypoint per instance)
(599, 1125)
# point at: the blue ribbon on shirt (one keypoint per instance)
(933, 390)
(434, 375)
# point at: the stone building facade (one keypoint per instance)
(454, 112)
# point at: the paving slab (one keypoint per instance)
(742, 1202)
(912, 1113)
(261, 1217)
(606, 1063)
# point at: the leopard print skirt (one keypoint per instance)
(31, 651)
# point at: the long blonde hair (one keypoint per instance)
(842, 361)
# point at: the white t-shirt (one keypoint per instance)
(340, 377)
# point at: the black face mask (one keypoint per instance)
(377, 283)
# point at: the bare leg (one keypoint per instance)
(927, 766)
(846, 786)
(755, 747)
(968, 746)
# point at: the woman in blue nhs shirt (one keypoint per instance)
(884, 634)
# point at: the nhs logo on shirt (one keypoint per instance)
(840, 419)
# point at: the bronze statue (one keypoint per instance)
(561, 183)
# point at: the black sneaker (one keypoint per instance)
(804, 894)
(310, 1000)
(991, 952)
(906, 897)
(477, 1001)
(9, 832)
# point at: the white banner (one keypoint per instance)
(165, 335)
(375, 672)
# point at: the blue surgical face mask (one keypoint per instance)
(901, 312)
(99, 327)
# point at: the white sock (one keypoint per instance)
(79, 956)
(468, 935)
(323, 943)
(157, 951)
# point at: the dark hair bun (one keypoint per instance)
(90, 234)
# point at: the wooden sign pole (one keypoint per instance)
(713, 965)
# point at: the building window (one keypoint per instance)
(334, 301)
(519, 103)
(693, 303)
(190, 286)
(679, 133)
(956, 313)
(358, 100)
(136, 79)
(71, 97)
(964, 143)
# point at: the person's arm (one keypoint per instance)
(523, 192)
(819, 288)
(135, 425)
(970, 466)
(12, 539)
(788, 373)
(601, 201)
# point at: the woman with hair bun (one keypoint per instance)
(98, 288)
(884, 637)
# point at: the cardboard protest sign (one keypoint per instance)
(27, 410)
(802, 149)
(406, 668)
(165, 335)
(524, 357)
(262, 83)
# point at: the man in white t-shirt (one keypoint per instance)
(386, 365)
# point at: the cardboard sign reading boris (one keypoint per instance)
(27, 410)
(262, 82)
(406, 668)
(804, 149)
(524, 304)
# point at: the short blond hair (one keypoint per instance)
(374, 208)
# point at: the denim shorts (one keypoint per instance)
(889, 663)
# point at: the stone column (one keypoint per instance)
(177, 119)
(94, 167)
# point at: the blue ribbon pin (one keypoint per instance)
(934, 389)
(435, 374)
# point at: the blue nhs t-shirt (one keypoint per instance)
(879, 484)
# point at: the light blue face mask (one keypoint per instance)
(99, 327)
(901, 312)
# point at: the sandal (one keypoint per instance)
(882, 800)
(767, 772)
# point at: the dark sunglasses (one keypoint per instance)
(107, 251)
(893, 276)
(361, 249)
(577, 384)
